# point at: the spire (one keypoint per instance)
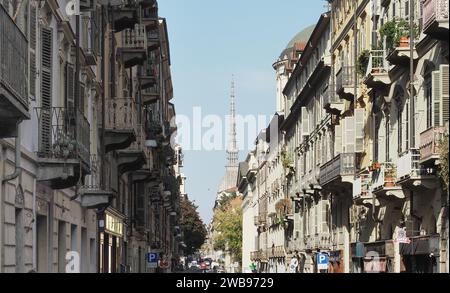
(232, 151)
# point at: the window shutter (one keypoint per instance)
(324, 216)
(70, 86)
(140, 205)
(349, 135)
(338, 139)
(436, 82)
(46, 90)
(305, 122)
(32, 48)
(360, 116)
(381, 140)
(82, 97)
(444, 94)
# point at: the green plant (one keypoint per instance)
(444, 168)
(286, 159)
(395, 29)
(363, 62)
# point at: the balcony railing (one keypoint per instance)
(13, 59)
(430, 141)
(345, 78)
(386, 177)
(139, 144)
(361, 186)
(342, 165)
(134, 38)
(434, 10)
(63, 134)
(378, 62)
(121, 114)
(409, 165)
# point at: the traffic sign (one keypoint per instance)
(152, 260)
(294, 265)
(322, 261)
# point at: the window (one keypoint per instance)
(428, 89)
(400, 127)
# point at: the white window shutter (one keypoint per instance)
(360, 117)
(381, 140)
(349, 135)
(436, 84)
(305, 122)
(338, 129)
(444, 94)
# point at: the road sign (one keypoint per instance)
(322, 261)
(152, 260)
(294, 265)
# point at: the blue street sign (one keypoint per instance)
(152, 257)
(322, 261)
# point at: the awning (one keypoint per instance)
(421, 246)
(375, 265)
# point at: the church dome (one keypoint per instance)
(298, 42)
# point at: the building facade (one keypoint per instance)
(87, 163)
(365, 111)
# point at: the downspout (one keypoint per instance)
(34, 253)
(17, 170)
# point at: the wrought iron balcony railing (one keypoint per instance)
(13, 59)
(434, 11)
(342, 165)
(345, 78)
(385, 177)
(64, 133)
(430, 141)
(409, 165)
(121, 114)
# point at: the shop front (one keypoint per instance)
(421, 255)
(379, 257)
(111, 236)
(357, 255)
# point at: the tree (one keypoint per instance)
(228, 225)
(194, 231)
(444, 162)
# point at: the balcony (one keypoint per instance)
(332, 104)
(124, 18)
(384, 183)
(93, 196)
(429, 145)
(435, 19)
(378, 77)
(133, 50)
(147, 76)
(64, 147)
(151, 95)
(134, 157)
(121, 124)
(153, 41)
(362, 194)
(260, 220)
(400, 56)
(345, 83)
(338, 174)
(150, 15)
(14, 105)
(411, 174)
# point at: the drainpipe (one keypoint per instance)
(17, 170)
(34, 228)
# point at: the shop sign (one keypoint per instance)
(402, 237)
(114, 225)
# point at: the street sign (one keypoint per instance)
(294, 265)
(322, 261)
(402, 236)
(152, 260)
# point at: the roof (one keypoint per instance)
(298, 42)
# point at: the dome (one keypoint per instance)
(301, 39)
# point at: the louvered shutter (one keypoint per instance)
(46, 90)
(349, 135)
(444, 93)
(32, 49)
(305, 122)
(82, 98)
(436, 83)
(381, 141)
(360, 116)
(70, 87)
(140, 205)
(338, 139)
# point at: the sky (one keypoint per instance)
(212, 40)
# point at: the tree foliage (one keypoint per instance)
(194, 231)
(228, 225)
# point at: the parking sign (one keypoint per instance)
(322, 261)
(152, 260)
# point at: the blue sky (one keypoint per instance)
(209, 41)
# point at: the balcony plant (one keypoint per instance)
(363, 62)
(397, 33)
(375, 166)
(444, 158)
(390, 175)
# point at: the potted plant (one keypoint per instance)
(375, 166)
(389, 175)
(363, 62)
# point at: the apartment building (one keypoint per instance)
(88, 132)
(366, 108)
